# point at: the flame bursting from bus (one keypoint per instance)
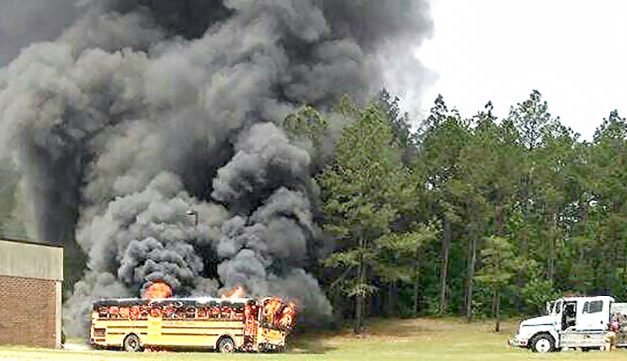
(235, 292)
(157, 290)
(288, 316)
(274, 311)
(278, 314)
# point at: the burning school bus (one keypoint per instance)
(224, 324)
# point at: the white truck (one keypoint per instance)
(573, 322)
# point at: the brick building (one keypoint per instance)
(31, 275)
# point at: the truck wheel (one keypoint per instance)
(543, 344)
(226, 345)
(131, 343)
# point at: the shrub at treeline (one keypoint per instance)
(472, 217)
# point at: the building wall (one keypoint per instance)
(31, 276)
(28, 311)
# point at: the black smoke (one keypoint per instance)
(143, 112)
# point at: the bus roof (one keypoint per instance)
(198, 301)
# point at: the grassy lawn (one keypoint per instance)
(423, 339)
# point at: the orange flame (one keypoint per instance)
(157, 290)
(270, 310)
(288, 316)
(235, 292)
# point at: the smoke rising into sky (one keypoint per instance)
(143, 110)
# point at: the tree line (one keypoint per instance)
(474, 216)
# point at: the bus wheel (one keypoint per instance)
(131, 343)
(226, 345)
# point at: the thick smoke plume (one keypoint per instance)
(144, 112)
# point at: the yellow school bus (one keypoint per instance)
(226, 325)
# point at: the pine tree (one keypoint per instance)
(360, 193)
(499, 266)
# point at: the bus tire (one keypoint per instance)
(226, 344)
(543, 343)
(131, 343)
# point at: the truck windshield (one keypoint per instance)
(558, 307)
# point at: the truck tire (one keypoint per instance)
(226, 345)
(131, 343)
(543, 343)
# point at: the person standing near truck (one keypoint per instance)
(610, 336)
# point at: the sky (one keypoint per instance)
(574, 52)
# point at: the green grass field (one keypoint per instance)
(423, 339)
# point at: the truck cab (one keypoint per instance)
(571, 322)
